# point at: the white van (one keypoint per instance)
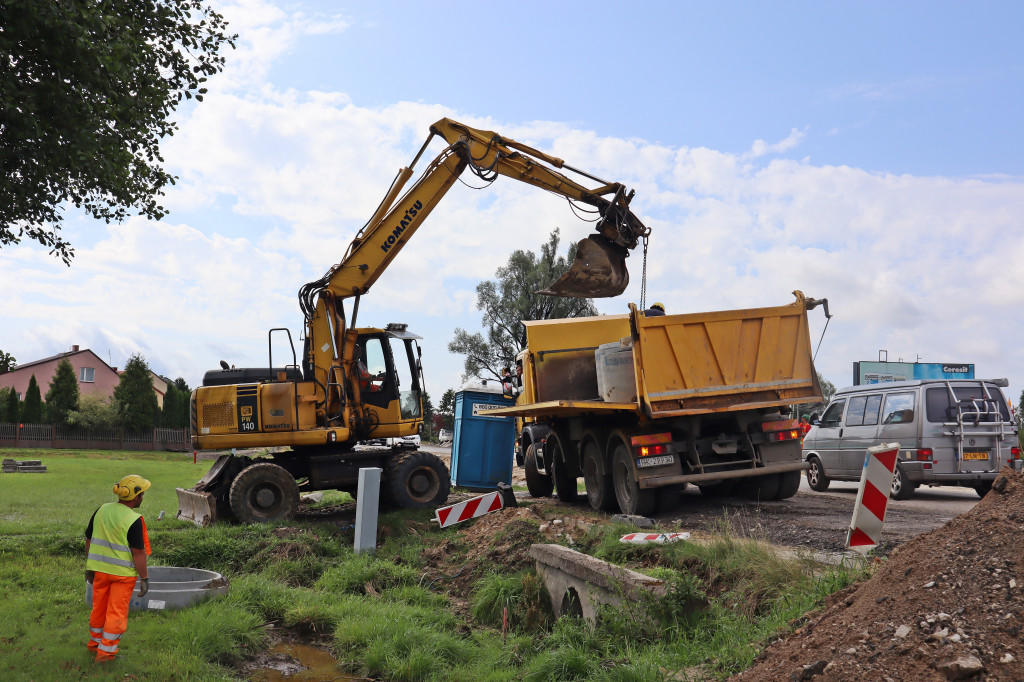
(950, 431)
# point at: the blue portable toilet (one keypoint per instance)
(483, 446)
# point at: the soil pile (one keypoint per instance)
(948, 605)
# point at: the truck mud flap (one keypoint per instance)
(659, 481)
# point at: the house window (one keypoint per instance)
(88, 374)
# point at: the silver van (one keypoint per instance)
(950, 431)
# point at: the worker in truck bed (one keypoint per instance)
(655, 310)
(116, 545)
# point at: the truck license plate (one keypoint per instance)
(644, 462)
(976, 455)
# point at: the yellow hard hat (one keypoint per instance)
(659, 306)
(130, 487)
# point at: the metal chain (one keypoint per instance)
(643, 279)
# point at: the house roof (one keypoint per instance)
(24, 365)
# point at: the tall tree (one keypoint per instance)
(135, 396)
(32, 410)
(175, 412)
(7, 395)
(62, 396)
(86, 91)
(446, 409)
(508, 300)
(7, 362)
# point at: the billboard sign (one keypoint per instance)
(866, 372)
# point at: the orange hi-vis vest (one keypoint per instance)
(108, 549)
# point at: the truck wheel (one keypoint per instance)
(789, 483)
(761, 488)
(417, 480)
(600, 491)
(537, 483)
(565, 482)
(631, 497)
(263, 492)
(982, 488)
(902, 489)
(816, 477)
(720, 489)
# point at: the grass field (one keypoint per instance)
(309, 583)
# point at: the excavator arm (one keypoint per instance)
(598, 270)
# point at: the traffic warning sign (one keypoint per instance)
(872, 497)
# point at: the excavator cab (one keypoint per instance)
(390, 379)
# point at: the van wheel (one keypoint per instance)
(539, 485)
(982, 488)
(816, 477)
(902, 489)
(631, 497)
(789, 483)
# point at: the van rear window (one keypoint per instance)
(970, 401)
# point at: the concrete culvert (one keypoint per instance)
(173, 587)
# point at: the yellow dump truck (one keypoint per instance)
(640, 406)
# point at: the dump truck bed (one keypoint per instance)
(688, 364)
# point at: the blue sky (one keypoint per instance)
(866, 152)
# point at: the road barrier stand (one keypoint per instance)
(872, 497)
(470, 509)
(653, 538)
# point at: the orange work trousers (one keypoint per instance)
(109, 618)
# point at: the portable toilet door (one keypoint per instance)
(483, 445)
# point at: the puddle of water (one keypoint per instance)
(300, 663)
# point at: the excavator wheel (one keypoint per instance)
(417, 480)
(262, 493)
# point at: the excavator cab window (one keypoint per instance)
(377, 384)
(407, 375)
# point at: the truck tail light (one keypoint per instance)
(780, 436)
(648, 450)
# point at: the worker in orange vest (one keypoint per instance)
(116, 545)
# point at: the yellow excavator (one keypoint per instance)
(354, 384)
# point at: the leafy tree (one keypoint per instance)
(86, 89)
(182, 386)
(8, 402)
(63, 395)
(135, 396)
(509, 300)
(428, 416)
(7, 362)
(32, 410)
(175, 412)
(828, 389)
(95, 411)
(447, 409)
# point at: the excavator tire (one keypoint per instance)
(417, 480)
(262, 493)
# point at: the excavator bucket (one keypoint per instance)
(598, 271)
(199, 508)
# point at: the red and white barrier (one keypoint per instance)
(653, 538)
(470, 509)
(872, 497)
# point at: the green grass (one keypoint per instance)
(381, 616)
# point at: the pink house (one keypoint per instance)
(93, 374)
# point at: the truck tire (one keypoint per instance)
(902, 489)
(417, 480)
(561, 469)
(600, 491)
(760, 488)
(721, 489)
(816, 477)
(262, 493)
(982, 488)
(631, 497)
(789, 483)
(539, 485)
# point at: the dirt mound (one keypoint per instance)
(947, 605)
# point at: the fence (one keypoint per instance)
(53, 436)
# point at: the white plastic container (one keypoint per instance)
(616, 378)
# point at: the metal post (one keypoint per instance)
(366, 510)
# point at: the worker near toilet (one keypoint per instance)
(116, 545)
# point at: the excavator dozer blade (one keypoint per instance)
(199, 508)
(598, 271)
